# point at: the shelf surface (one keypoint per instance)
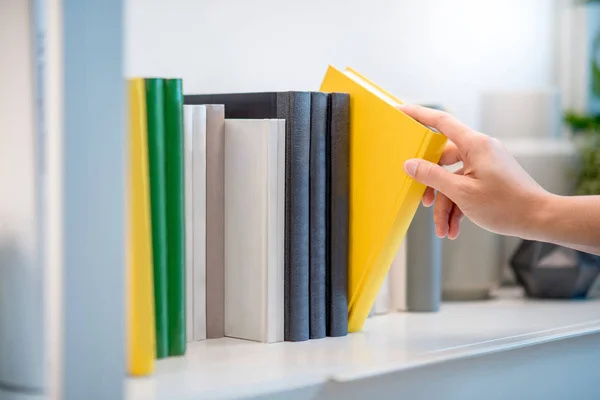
(230, 368)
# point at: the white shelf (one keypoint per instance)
(230, 368)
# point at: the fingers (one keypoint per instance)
(455, 219)
(434, 176)
(451, 127)
(441, 214)
(451, 155)
(428, 197)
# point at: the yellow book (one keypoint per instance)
(383, 198)
(140, 294)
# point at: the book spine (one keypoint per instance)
(253, 265)
(294, 107)
(277, 304)
(215, 221)
(198, 278)
(141, 334)
(175, 216)
(188, 126)
(245, 229)
(318, 215)
(338, 145)
(158, 207)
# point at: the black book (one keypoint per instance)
(295, 108)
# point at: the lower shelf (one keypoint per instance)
(234, 369)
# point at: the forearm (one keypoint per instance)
(569, 221)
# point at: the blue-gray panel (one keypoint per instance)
(94, 199)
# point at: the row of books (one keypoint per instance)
(271, 216)
(247, 240)
(285, 187)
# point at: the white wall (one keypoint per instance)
(446, 51)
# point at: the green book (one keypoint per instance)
(175, 215)
(155, 103)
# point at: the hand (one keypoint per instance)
(491, 188)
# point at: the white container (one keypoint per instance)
(471, 266)
(507, 114)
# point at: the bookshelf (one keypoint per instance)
(83, 336)
(457, 342)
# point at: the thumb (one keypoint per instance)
(433, 175)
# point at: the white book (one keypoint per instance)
(254, 229)
(199, 220)
(189, 251)
(397, 279)
(195, 218)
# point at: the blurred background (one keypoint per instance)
(523, 71)
(447, 52)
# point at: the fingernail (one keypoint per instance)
(410, 167)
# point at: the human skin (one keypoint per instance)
(495, 192)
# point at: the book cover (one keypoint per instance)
(254, 213)
(294, 108)
(140, 282)
(338, 195)
(155, 103)
(175, 201)
(383, 199)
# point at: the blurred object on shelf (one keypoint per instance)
(507, 114)
(551, 271)
(397, 278)
(471, 266)
(553, 164)
(383, 303)
(423, 263)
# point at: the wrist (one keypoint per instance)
(544, 209)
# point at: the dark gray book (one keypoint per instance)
(338, 184)
(318, 215)
(294, 107)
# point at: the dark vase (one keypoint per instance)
(551, 271)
